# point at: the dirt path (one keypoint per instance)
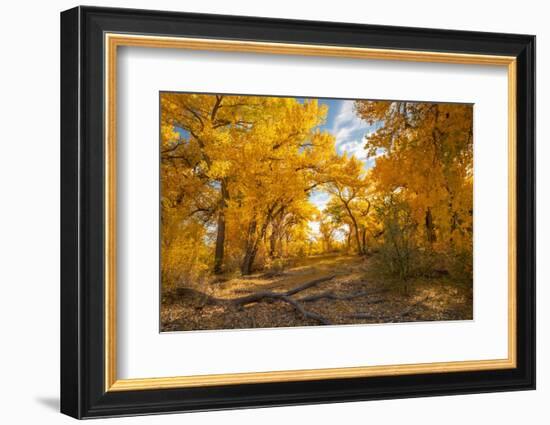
(309, 268)
(357, 294)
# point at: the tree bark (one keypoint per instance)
(220, 235)
(355, 227)
(252, 245)
(246, 264)
(430, 232)
(275, 239)
(364, 248)
(357, 237)
(248, 261)
(253, 240)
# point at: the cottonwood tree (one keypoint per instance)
(349, 186)
(216, 126)
(425, 157)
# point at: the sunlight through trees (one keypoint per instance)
(238, 174)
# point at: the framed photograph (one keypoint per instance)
(261, 212)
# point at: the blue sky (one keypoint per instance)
(349, 131)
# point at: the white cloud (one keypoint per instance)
(355, 148)
(319, 199)
(342, 134)
(345, 114)
(349, 131)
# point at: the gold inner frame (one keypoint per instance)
(113, 41)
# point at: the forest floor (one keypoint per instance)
(317, 290)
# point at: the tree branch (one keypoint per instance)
(332, 296)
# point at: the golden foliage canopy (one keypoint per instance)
(237, 173)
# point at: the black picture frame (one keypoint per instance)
(83, 392)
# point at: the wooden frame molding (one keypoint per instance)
(114, 40)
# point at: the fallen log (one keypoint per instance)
(261, 295)
(307, 314)
(309, 285)
(281, 297)
(343, 297)
(190, 293)
(255, 297)
(269, 295)
(286, 297)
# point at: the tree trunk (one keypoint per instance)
(357, 237)
(355, 228)
(245, 265)
(328, 245)
(364, 240)
(430, 232)
(249, 257)
(273, 238)
(252, 246)
(220, 235)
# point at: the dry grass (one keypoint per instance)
(386, 300)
